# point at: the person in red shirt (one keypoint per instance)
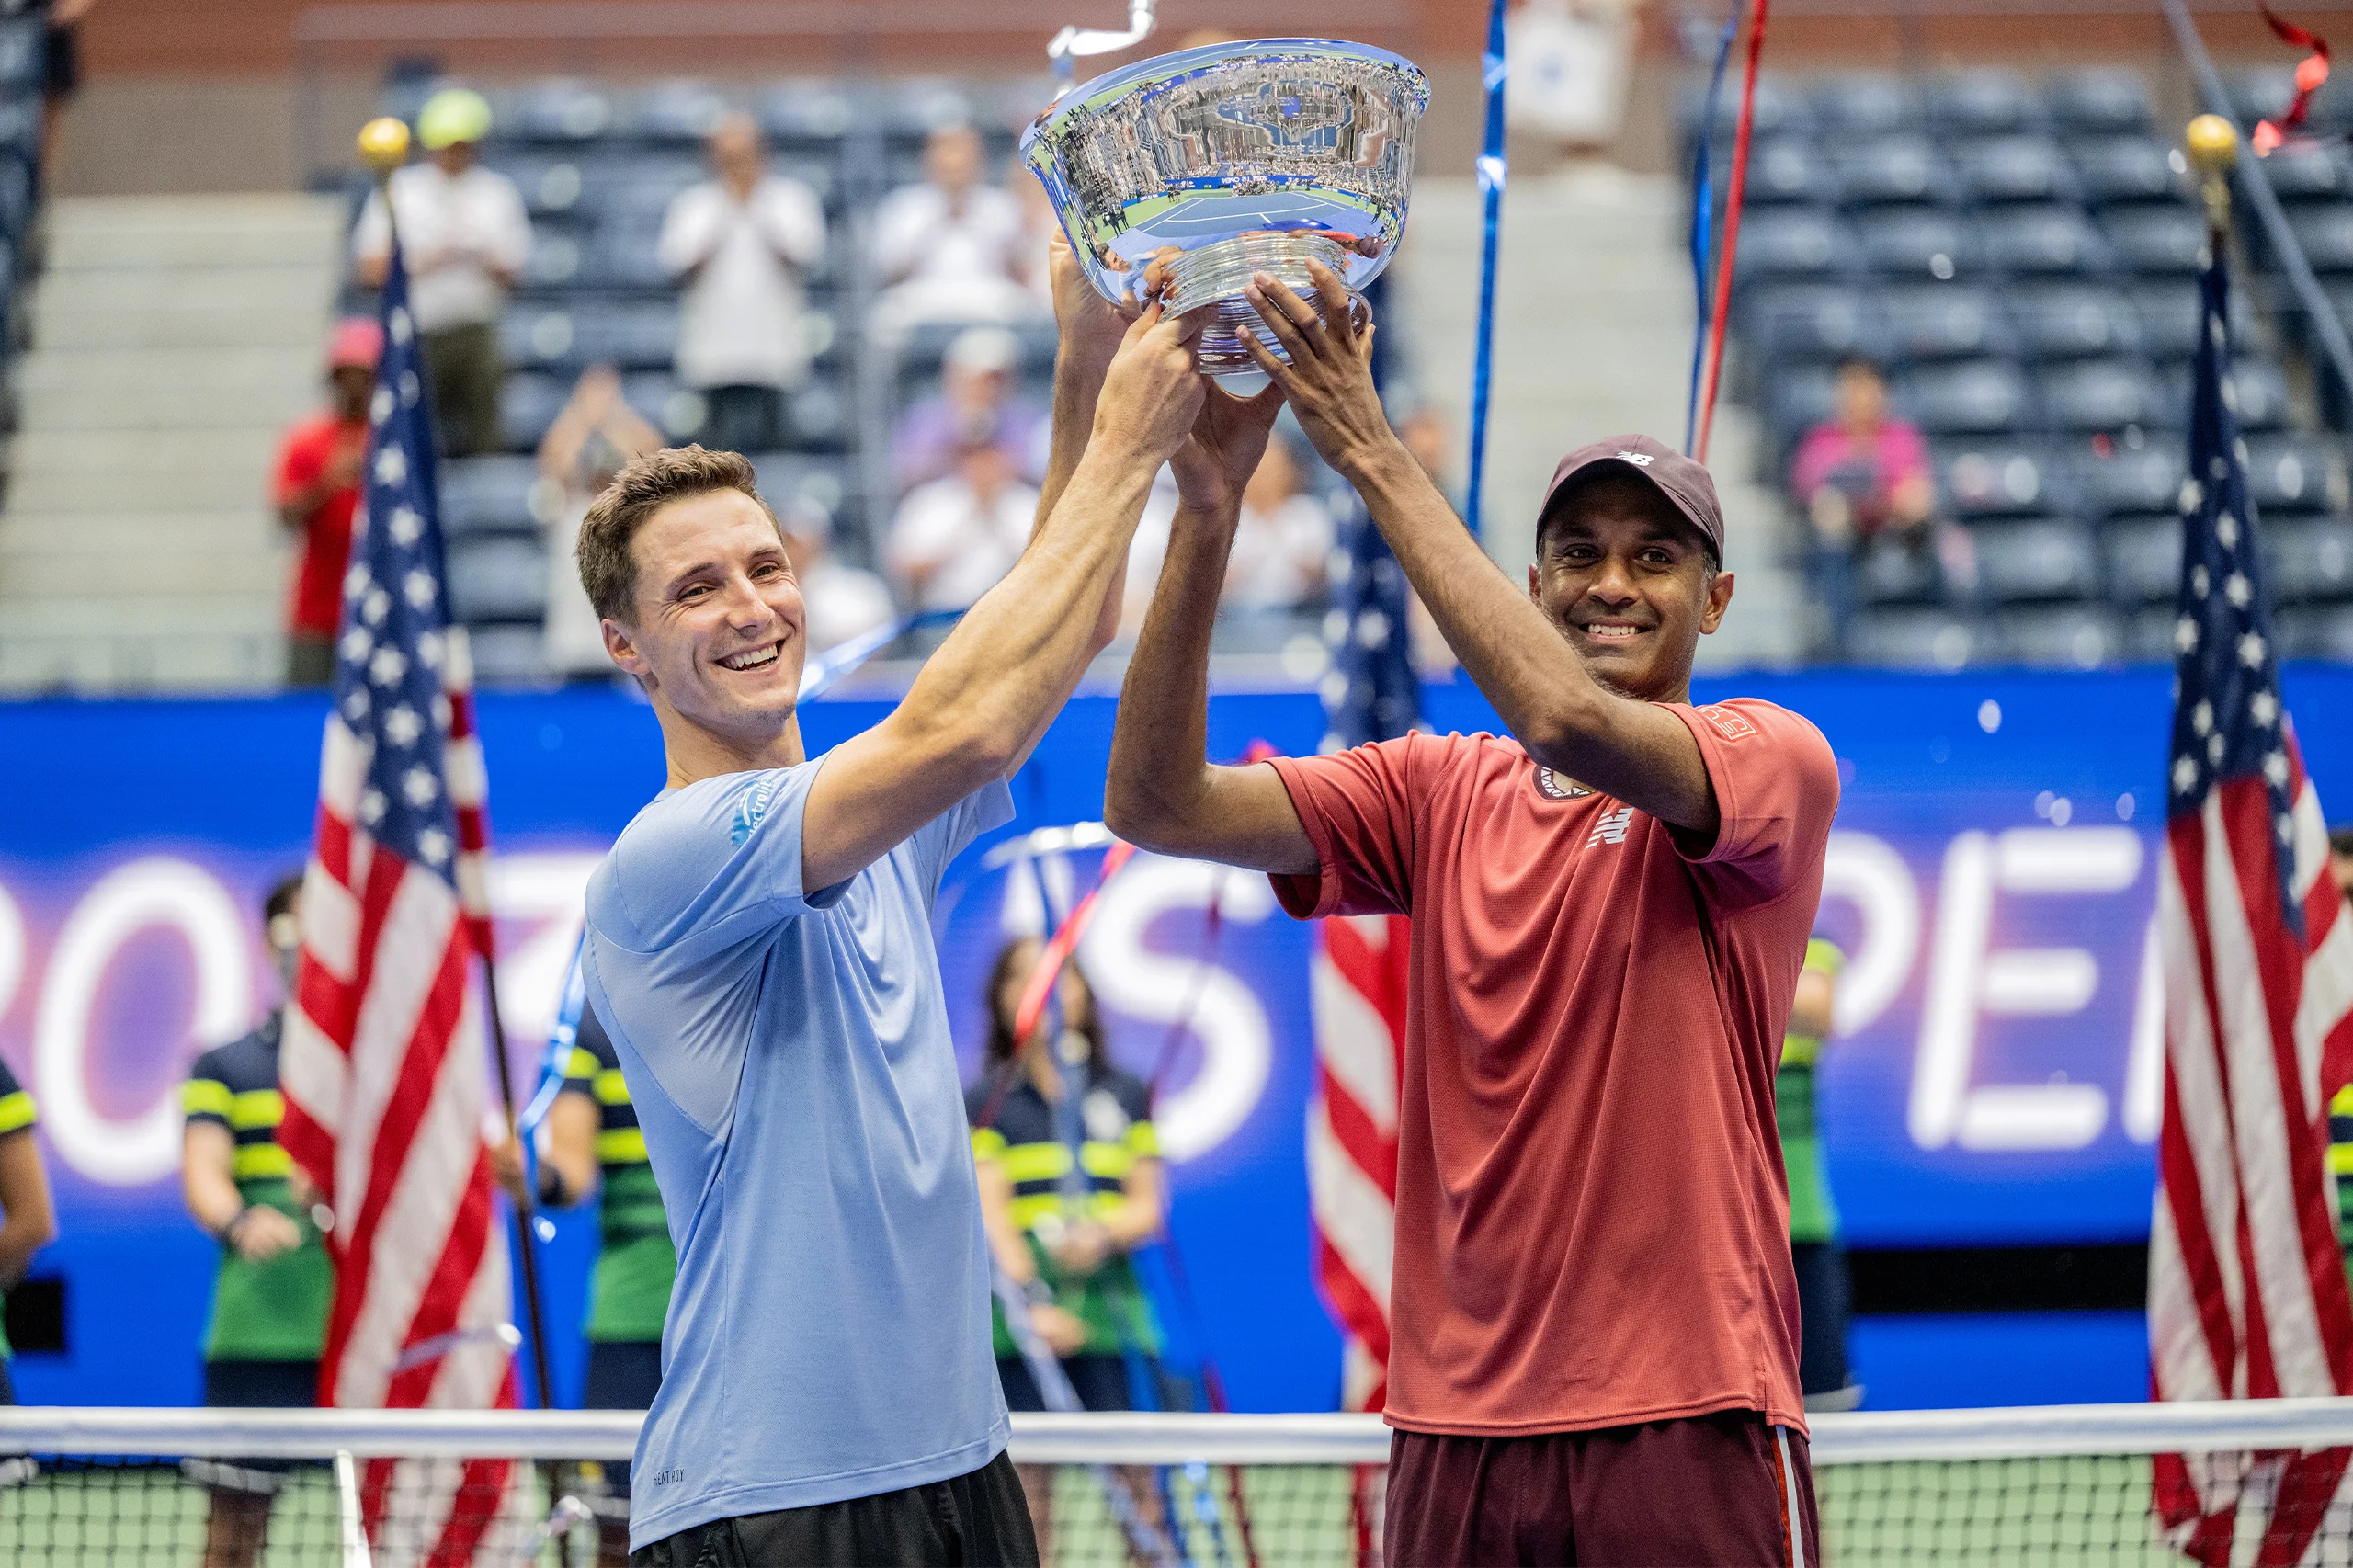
(1593, 1315)
(317, 491)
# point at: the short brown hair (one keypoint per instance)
(642, 487)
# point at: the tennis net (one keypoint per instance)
(2061, 1485)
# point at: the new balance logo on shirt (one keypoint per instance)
(1611, 828)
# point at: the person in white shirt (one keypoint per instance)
(464, 237)
(955, 536)
(955, 247)
(739, 245)
(843, 601)
(1283, 539)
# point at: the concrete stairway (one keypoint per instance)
(173, 340)
(1594, 313)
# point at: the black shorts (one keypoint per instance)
(623, 1374)
(1100, 1382)
(978, 1520)
(252, 1385)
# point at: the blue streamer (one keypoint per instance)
(1493, 167)
(820, 674)
(1703, 217)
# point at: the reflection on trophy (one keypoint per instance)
(1220, 161)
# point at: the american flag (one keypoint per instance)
(2248, 1296)
(384, 1065)
(1358, 985)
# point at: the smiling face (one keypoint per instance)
(717, 633)
(1628, 580)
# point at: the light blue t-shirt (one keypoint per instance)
(788, 1056)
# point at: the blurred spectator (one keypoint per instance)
(61, 78)
(27, 1221)
(977, 405)
(464, 236)
(843, 601)
(1431, 445)
(2341, 859)
(597, 432)
(955, 536)
(739, 245)
(317, 491)
(1282, 541)
(1820, 1259)
(271, 1295)
(954, 248)
(1863, 478)
(1069, 1250)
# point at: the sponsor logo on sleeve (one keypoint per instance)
(1729, 724)
(751, 806)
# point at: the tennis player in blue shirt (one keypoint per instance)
(759, 948)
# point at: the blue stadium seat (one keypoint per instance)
(527, 405)
(1785, 170)
(635, 181)
(1984, 102)
(1915, 244)
(2295, 473)
(556, 111)
(1896, 169)
(1796, 398)
(1890, 573)
(2077, 637)
(2317, 632)
(2121, 170)
(911, 109)
(807, 116)
(676, 410)
(488, 496)
(2143, 558)
(560, 258)
(2257, 393)
(497, 578)
(676, 113)
(624, 254)
(819, 416)
(1923, 640)
(2146, 478)
(2310, 558)
(2106, 396)
(2173, 320)
(633, 334)
(2015, 168)
(1942, 321)
(540, 335)
(1865, 104)
(1780, 110)
(551, 183)
(2035, 559)
(20, 127)
(2310, 173)
(23, 51)
(1811, 322)
(2046, 240)
(509, 655)
(2261, 92)
(2326, 234)
(1785, 244)
(2158, 241)
(1970, 397)
(2102, 100)
(794, 480)
(2073, 321)
(2003, 476)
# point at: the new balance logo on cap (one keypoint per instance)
(1611, 829)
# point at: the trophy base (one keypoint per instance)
(1213, 278)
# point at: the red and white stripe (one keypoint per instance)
(387, 1093)
(1359, 978)
(2247, 1295)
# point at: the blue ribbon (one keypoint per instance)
(1493, 167)
(1703, 217)
(821, 674)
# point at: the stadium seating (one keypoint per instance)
(2021, 257)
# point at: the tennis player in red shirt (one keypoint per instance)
(1593, 1318)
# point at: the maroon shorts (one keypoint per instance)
(1724, 1489)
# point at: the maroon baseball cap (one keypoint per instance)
(1683, 482)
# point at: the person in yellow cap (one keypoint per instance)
(465, 236)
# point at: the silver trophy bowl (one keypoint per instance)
(1230, 160)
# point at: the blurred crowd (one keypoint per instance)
(961, 253)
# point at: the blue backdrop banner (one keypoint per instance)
(1992, 879)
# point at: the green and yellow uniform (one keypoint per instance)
(635, 1268)
(261, 1312)
(2340, 1169)
(1812, 1216)
(1024, 1138)
(16, 1116)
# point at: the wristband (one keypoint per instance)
(554, 1191)
(228, 1232)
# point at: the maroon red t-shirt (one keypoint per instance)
(315, 603)
(1592, 1217)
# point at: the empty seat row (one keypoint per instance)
(2108, 171)
(1974, 102)
(1793, 323)
(555, 184)
(1981, 397)
(565, 334)
(2129, 562)
(818, 414)
(505, 494)
(2040, 239)
(2286, 472)
(2083, 636)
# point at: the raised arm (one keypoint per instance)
(1635, 751)
(1162, 793)
(983, 700)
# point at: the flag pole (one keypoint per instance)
(383, 147)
